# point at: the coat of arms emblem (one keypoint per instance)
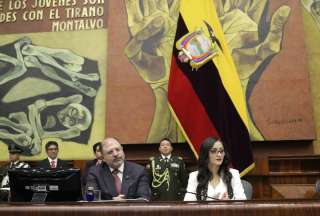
(197, 47)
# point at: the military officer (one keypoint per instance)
(14, 162)
(168, 174)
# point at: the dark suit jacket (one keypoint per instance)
(61, 164)
(135, 182)
(86, 170)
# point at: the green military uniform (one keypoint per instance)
(169, 178)
(3, 174)
(4, 178)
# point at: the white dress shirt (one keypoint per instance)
(55, 162)
(120, 173)
(164, 157)
(218, 190)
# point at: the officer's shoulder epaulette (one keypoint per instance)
(151, 158)
(180, 158)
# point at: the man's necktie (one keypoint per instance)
(53, 164)
(117, 181)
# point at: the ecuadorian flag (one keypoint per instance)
(209, 101)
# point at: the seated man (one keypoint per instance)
(53, 162)
(117, 178)
(168, 174)
(95, 162)
(14, 162)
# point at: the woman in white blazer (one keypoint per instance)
(214, 179)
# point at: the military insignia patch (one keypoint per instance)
(174, 165)
(197, 47)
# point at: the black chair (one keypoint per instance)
(318, 186)
(247, 186)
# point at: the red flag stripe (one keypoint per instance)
(203, 107)
(181, 95)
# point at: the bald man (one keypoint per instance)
(117, 178)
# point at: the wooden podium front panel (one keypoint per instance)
(225, 208)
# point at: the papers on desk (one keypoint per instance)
(5, 189)
(124, 200)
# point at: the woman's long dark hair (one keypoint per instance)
(205, 175)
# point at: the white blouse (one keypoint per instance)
(218, 190)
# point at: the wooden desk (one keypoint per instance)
(226, 208)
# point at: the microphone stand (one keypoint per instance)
(206, 196)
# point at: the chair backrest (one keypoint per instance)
(247, 189)
(318, 186)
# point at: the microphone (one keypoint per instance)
(214, 198)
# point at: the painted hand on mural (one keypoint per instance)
(57, 64)
(50, 72)
(69, 63)
(16, 65)
(18, 129)
(152, 25)
(313, 7)
(252, 40)
(22, 131)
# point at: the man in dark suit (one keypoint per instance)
(53, 162)
(117, 178)
(95, 162)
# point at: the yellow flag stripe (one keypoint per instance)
(194, 12)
